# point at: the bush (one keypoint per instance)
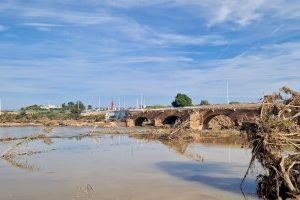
(155, 107)
(204, 102)
(182, 100)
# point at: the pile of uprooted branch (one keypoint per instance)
(275, 143)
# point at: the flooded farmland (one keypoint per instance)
(117, 167)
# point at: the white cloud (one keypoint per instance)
(116, 22)
(240, 12)
(249, 75)
(61, 14)
(192, 40)
(48, 25)
(151, 36)
(135, 3)
(43, 26)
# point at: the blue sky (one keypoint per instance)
(55, 51)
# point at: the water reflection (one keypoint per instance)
(204, 174)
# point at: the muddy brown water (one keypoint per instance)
(117, 167)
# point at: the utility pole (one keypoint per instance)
(227, 91)
(99, 104)
(0, 106)
(124, 102)
(141, 106)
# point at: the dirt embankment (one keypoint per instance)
(75, 123)
(50, 119)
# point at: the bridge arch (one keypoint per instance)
(221, 120)
(198, 117)
(171, 120)
(142, 121)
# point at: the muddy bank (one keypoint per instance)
(188, 136)
(230, 136)
(152, 133)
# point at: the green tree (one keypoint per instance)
(80, 105)
(71, 104)
(33, 107)
(182, 100)
(77, 107)
(74, 108)
(90, 107)
(204, 102)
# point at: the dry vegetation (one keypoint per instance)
(275, 143)
(50, 119)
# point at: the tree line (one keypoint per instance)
(75, 108)
(183, 100)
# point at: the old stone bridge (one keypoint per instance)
(195, 117)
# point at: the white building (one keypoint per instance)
(50, 106)
(116, 115)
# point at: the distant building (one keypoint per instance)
(113, 106)
(50, 106)
(118, 115)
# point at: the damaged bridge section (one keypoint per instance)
(196, 117)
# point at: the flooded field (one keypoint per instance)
(117, 167)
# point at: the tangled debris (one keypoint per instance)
(275, 143)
